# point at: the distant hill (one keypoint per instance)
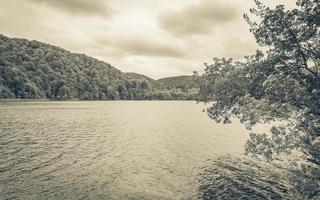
(182, 82)
(140, 77)
(36, 70)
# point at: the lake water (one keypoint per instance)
(109, 150)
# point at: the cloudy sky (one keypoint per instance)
(157, 38)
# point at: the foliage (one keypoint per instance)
(280, 84)
(33, 70)
(183, 83)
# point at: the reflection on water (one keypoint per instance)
(108, 150)
(243, 178)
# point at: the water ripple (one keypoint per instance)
(109, 150)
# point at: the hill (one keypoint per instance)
(179, 82)
(36, 70)
(140, 77)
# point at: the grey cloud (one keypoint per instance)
(151, 49)
(89, 7)
(237, 48)
(16, 23)
(197, 18)
(143, 47)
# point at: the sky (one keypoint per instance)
(158, 38)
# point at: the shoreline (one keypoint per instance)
(48, 100)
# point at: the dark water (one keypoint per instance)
(245, 178)
(109, 150)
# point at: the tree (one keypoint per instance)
(145, 85)
(281, 84)
(5, 93)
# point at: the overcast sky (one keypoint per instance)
(157, 38)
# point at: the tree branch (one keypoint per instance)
(304, 57)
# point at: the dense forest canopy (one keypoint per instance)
(35, 70)
(184, 83)
(280, 83)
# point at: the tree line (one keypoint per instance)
(35, 70)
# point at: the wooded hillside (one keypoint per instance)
(35, 70)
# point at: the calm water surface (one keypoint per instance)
(108, 150)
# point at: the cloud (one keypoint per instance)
(146, 46)
(16, 23)
(151, 48)
(197, 19)
(88, 7)
(238, 47)
(139, 38)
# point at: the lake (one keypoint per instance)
(109, 149)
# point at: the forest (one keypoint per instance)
(277, 85)
(35, 70)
